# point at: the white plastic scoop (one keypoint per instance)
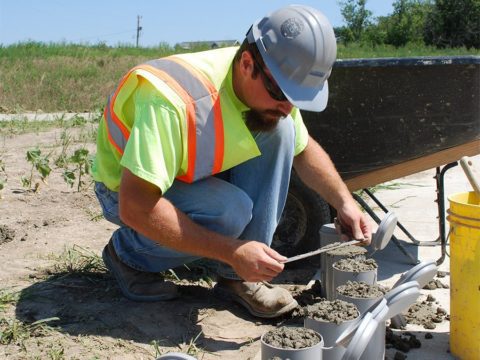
(379, 240)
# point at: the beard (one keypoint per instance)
(262, 120)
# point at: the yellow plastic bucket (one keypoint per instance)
(464, 219)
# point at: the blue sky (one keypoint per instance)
(170, 21)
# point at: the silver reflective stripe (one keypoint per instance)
(204, 114)
(113, 129)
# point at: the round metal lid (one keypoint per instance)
(384, 232)
(362, 338)
(401, 298)
(421, 273)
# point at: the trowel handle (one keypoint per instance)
(321, 250)
(471, 173)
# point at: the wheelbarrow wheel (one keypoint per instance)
(304, 214)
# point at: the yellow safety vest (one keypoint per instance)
(199, 86)
(203, 114)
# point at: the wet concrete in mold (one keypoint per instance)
(349, 250)
(291, 337)
(337, 311)
(355, 265)
(361, 290)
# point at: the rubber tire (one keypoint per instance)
(304, 214)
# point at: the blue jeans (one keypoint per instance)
(245, 202)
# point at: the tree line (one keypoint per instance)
(440, 23)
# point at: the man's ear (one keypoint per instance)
(246, 63)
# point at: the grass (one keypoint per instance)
(65, 77)
(358, 50)
(77, 261)
(78, 78)
(390, 186)
(13, 331)
(7, 298)
(77, 264)
(191, 348)
(22, 125)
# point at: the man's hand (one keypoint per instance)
(255, 261)
(353, 224)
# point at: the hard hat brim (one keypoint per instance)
(311, 99)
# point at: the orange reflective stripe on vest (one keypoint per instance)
(203, 115)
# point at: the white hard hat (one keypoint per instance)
(298, 45)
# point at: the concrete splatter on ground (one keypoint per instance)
(426, 314)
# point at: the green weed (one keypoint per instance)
(13, 331)
(41, 164)
(94, 215)
(7, 298)
(192, 348)
(82, 164)
(77, 261)
(89, 135)
(384, 186)
(156, 347)
(66, 140)
(56, 352)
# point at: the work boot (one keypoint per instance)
(137, 285)
(261, 299)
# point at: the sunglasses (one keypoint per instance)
(270, 85)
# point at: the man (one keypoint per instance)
(194, 157)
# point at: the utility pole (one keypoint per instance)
(138, 28)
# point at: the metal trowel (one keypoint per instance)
(379, 240)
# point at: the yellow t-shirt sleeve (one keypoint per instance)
(154, 148)
(301, 132)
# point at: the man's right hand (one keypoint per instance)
(254, 261)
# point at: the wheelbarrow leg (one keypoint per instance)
(399, 224)
(439, 177)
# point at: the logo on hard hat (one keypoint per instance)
(291, 28)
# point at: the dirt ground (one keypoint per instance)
(57, 301)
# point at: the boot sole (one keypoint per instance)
(123, 287)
